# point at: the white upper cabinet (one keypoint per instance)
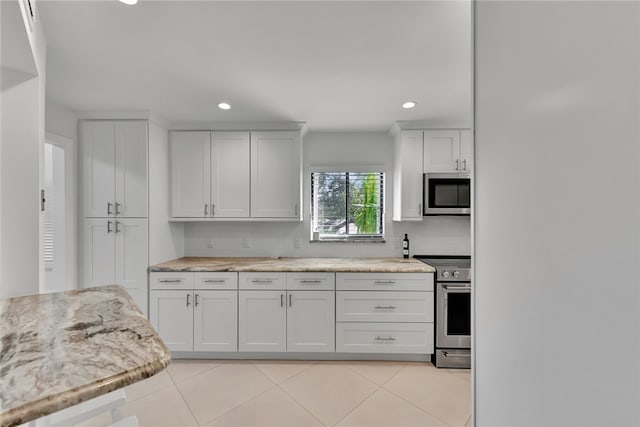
(210, 174)
(407, 194)
(114, 168)
(98, 167)
(230, 175)
(131, 169)
(190, 174)
(466, 150)
(444, 151)
(275, 175)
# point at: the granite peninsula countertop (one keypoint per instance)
(63, 348)
(340, 265)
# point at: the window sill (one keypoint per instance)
(348, 241)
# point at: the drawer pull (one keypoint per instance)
(170, 280)
(379, 338)
(310, 281)
(384, 307)
(261, 281)
(384, 282)
(214, 281)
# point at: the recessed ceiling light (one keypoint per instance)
(129, 2)
(224, 106)
(408, 104)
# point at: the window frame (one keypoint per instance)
(347, 238)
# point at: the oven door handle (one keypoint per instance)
(454, 288)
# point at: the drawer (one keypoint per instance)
(384, 338)
(311, 281)
(385, 306)
(215, 280)
(171, 280)
(262, 280)
(384, 281)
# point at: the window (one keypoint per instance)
(347, 205)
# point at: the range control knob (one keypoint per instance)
(456, 274)
(445, 274)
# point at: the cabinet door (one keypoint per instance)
(442, 151)
(407, 203)
(466, 150)
(132, 260)
(98, 171)
(230, 164)
(311, 321)
(215, 320)
(171, 314)
(99, 252)
(275, 175)
(131, 168)
(190, 174)
(262, 321)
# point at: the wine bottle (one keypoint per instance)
(405, 247)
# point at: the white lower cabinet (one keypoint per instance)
(195, 319)
(171, 314)
(115, 250)
(215, 320)
(384, 337)
(311, 321)
(262, 321)
(384, 313)
(286, 320)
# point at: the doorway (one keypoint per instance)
(58, 237)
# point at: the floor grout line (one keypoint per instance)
(417, 407)
(358, 405)
(301, 405)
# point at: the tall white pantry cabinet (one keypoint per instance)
(114, 200)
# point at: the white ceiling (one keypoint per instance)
(339, 66)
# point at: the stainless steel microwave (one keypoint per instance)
(447, 194)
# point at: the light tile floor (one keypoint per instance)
(210, 393)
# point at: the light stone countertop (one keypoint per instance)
(63, 348)
(340, 265)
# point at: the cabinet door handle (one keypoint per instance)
(261, 281)
(384, 282)
(205, 209)
(196, 300)
(170, 280)
(457, 164)
(213, 207)
(311, 281)
(384, 307)
(464, 164)
(117, 226)
(214, 281)
(188, 301)
(109, 227)
(109, 204)
(281, 300)
(289, 300)
(117, 208)
(379, 338)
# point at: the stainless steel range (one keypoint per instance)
(453, 310)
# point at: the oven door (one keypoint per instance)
(453, 315)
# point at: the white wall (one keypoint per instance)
(557, 214)
(432, 236)
(61, 129)
(166, 240)
(21, 153)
